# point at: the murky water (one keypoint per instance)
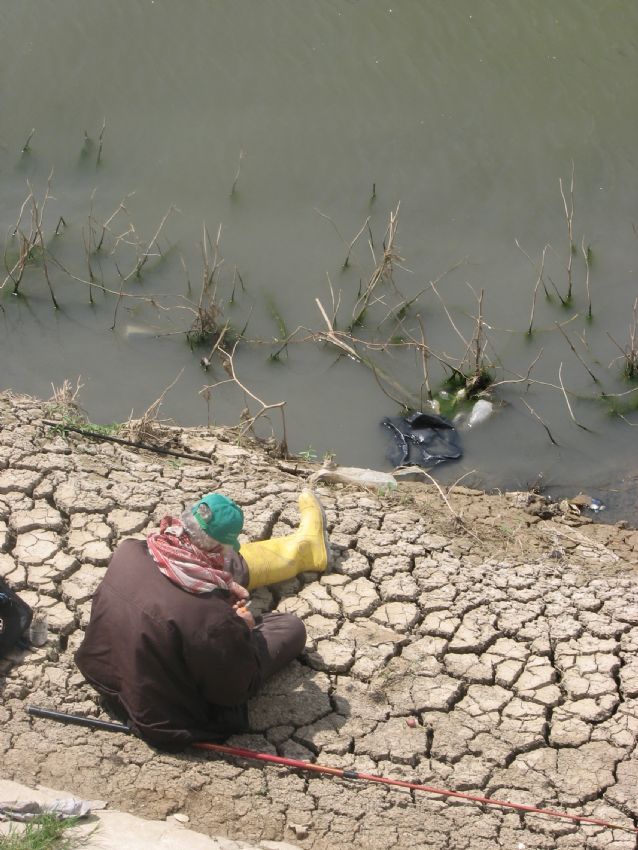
(322, 115)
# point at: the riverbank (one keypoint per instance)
(482, 643)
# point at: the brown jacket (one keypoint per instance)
(170, 659)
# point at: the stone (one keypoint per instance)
(82, 585)
(352, 564)
(357, 598)
(475, 633)
(14, 573)
(628, 676)
(60, 619)
(623, 792)
(41, 515)
(395, 741)
(389, 565)
(399, 616)
(319, 627)
(125, 522)
(482, 699)
(440, 599)
(18, 481)
(440, 624)
(373, 544)
(35, 547)
(470, 667)
(292, 697)
(78, 495)
(319, 600)
(426, 647)
(333, 656)
(399, 588)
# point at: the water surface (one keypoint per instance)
(465, 114)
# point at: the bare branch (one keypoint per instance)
(100, 144)
(346, 262)
(569, 216)
(569, 407)
(447, 313)
(533, 412)
(234, 186)
(142, 259)
(26, 147)
(578, 357)
(327, 218)
(383, 269)
(248, 421)
(522, 378)
(587, 255)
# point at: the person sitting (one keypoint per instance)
(171, 643)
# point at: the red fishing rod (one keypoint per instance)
(343, 773)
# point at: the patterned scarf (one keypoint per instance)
(186, 565)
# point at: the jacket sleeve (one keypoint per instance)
(224, 662)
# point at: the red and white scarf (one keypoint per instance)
(186, 565)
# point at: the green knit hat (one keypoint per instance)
(220, 518)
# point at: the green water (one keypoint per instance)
(465, 114)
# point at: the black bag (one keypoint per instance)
(15, 618)
(424, 439)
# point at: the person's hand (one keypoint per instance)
(242, 611)
(239, 591)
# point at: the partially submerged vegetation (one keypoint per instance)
(386, 320)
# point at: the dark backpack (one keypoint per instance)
(15, 618)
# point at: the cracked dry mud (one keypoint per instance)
(511, 640)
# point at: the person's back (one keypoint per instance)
(171, 642)
(165, 656)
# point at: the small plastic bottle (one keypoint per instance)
(39, 629)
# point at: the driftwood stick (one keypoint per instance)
(136, 444)
(578, 357)
(533, 412)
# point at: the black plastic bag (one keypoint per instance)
(424, 439)
(15, 618)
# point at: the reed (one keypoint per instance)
(576, 354)
(279, 319)
(587, 254)
(100, 144)
(87, 148)
(568, 206)
(383, 269)
(377, 325)
(31, 244)
(144, 253)
(629, 353)
(233, 188)
(208, 319)
(26, 147)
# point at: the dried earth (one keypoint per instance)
(497, 654)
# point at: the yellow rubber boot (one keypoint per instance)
(281, 558)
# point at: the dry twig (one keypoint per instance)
(384, 268)
(587, 255)
(569, 407)
(578, 357)
(148, 428)
(545, 426)
(234, 186)
(569, 216)
(248, 421)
